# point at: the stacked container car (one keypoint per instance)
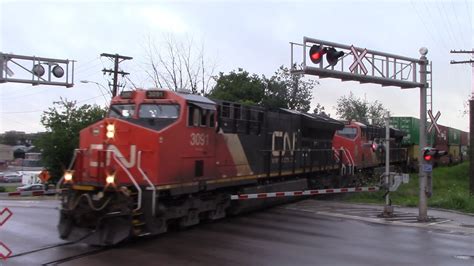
(454, 145)
(464, 145)
(411, 126)
(447, 139)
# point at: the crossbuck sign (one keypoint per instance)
(358, 60)
(433, 121)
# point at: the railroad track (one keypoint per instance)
(74, 257)
(85, 253)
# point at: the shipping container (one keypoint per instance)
(454, 153)
(454, 136)
(464, 153)
(441, 139)
(414, 152)
(464, 138)
(395, 122)
(411, 126)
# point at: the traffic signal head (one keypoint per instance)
(427, 157)
(333, 56)
(316, 53)
(429, 154)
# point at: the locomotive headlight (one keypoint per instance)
(110, 179)
(68, 176)
(110, 131)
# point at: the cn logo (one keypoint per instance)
(283, 141)
(127, 162)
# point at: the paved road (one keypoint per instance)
(293, 234)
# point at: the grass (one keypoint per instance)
(450, 191)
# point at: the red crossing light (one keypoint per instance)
(428, 157)
(316, 53)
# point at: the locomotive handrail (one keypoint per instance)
(351, 159)
(139, 203)
(341, 163)
(139, 166)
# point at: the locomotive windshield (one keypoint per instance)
(122, 110)
(159, 111)
(348, 132)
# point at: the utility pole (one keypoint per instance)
(471, 118)
(117, 60)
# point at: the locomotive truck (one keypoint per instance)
(162, 159)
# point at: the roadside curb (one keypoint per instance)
(447, 224)
(401, 206)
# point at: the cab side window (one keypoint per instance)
(204, 115)
(194, 116)
(198, 117)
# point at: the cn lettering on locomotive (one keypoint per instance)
(281, 142)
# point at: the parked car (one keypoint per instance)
(12, 178)
(32, 187)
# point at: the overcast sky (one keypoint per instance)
(253, 35)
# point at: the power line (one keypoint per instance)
(432, 36)
(459, 27)
(441, 18)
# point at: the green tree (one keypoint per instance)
(354, 108)
(238, 86)
(282, 90)
(287, 90)
(63, 122)
(320, 110)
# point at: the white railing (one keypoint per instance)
(347, 155)
(153, 203)
(139, 190)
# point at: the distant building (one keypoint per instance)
(6, 152)
(6, 155)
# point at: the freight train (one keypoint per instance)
(164, 159)
(451, 140)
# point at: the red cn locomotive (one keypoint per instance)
(164, 158)
(362, 147)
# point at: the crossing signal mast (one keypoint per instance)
(351, 63)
